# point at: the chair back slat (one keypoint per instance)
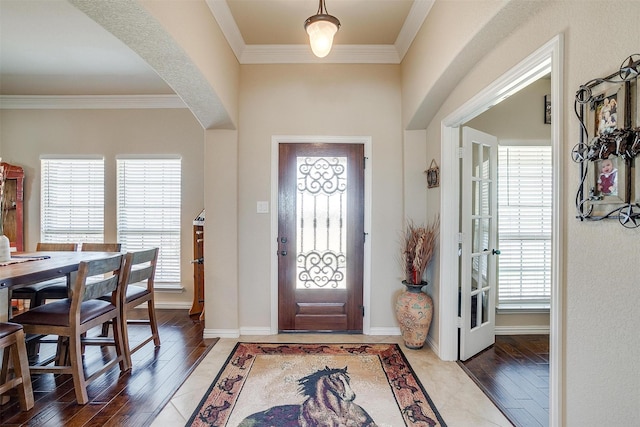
(101, 247)
(140, 266)
(45, 246)
(108, 272)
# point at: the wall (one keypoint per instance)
(601, 378)
(28, 134)
(319, 99)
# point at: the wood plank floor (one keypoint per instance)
(131, 399)
(514, 374)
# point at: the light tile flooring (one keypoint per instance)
(460, 402)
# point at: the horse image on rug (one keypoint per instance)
(329, 402)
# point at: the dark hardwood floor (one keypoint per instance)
(514, 374)
(131, 399)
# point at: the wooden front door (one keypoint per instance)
(320, 237)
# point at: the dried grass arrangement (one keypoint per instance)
(419, 246)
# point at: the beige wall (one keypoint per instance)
(25, 135)
(335, 100)
(600, 361)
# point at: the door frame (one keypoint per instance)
(276, 140)
(548, 57)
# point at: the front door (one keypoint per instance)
(320, 237)
(479, 238)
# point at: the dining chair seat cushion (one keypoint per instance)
(133, 292)
(8, 328)
(60, 283)
(57, 313)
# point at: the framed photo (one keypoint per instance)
(607, 182)
(606, 109)
(547, 109)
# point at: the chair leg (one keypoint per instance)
(153, 322)
(79, 380)
(124, 335)
(122, 345)
(21, 369)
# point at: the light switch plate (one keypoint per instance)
(262, 207)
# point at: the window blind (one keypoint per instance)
(148, 211)
(524, 225)
(72, 200)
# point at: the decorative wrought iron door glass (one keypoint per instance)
(321, 205)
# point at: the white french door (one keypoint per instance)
(479, 239)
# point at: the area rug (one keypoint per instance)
(316, 385)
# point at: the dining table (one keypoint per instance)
(25, 269)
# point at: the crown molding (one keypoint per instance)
(412, 25)
(301, 54)
(87, 102)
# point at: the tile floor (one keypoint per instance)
(460, 402)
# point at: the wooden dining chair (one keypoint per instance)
(138, 275)
(71, 317)
(101, 247)
(13, 346)
(38, 293)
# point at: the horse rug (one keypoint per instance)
(282, 385)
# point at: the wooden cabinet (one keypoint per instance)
(13, 216)
(198, 266)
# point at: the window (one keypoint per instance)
(72, 200)
(148, 213)
(524, 226)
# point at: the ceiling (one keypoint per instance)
(49, 47)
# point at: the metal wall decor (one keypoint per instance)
(609, 115)
(433, 175)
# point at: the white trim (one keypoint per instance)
(172, 305)
(301, 54)
(534, 66)
(221, 333)
(289, 139)
(522, 330)
(89, 102)
(168, 288)
(388, 331)
(418, 13)
(254, 330)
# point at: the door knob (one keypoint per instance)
(495, 251)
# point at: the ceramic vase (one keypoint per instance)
(414, 310)
(5, 249)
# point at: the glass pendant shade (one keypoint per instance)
(321, 34)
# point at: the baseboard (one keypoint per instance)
(384, 331)
(173, 305)
(255, 330)
(221, 333)
(433, 345)
(522, 330)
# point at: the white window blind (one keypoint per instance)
(524, 226)
(148, 213)
(72, 200)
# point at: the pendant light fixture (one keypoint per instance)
(321, 28)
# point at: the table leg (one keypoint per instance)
(5, 304)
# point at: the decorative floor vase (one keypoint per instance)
(414, 310)
(5, 249)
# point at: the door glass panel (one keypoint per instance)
(484, 233)
(476, 235)
(486, 162)
(475, 273)
(485, 208)
(477, 161)
(321, 230)
(483, 262)
(474, 311)
(485, 306)
(475, 198)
